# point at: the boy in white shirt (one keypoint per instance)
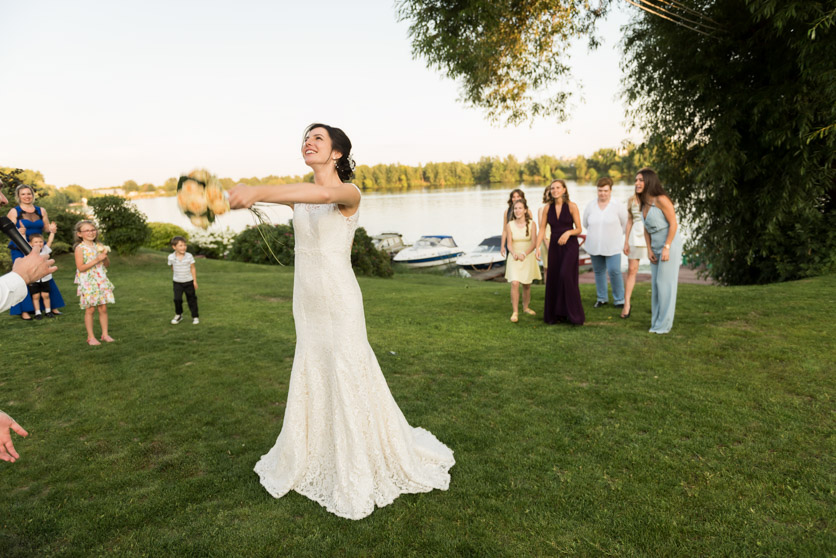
(185, 280)
(40, 289)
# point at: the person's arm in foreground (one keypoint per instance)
(24, 271)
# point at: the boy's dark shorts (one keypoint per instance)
(38, 288)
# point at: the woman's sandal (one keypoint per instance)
(108, 339)
(529, 311)
(93, 341)
(514, 317)
(627, 315)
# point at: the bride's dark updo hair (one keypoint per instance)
(339, 142)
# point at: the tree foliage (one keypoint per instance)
(265, 244)
(11, 178)
(510, 56)
(65, 219)
(121, 225)
(160, 235)
(738, 121)
(368, 260)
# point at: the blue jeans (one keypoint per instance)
(608, 265)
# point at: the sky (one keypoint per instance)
(96, 93)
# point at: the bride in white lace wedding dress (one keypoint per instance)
(344, 442)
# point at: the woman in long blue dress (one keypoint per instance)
(34, 220)
(664, 246)
(563, 296)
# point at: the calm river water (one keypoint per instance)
(467, 214)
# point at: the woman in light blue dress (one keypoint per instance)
(664, 244)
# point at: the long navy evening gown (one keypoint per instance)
(563, 297)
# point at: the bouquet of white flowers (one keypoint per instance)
(201, 197)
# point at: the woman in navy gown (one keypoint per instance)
(563, 297)
(34, 220)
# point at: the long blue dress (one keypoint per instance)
(664, 276)
(33, 227)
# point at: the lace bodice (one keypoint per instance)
(323, 228)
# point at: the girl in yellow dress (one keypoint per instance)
(521, 266)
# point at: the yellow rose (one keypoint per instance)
(192, 197)
(200, 174)
(217, 201)
(200, 221)
(197, 205)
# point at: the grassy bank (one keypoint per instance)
(716, 439)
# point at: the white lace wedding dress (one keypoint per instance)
(344, 442)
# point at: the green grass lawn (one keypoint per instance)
(601, 440)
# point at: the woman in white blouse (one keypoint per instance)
(605, 222)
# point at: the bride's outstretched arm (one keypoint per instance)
(243, 196)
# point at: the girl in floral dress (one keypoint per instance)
(95, 291)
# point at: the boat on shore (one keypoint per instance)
(486, 261)
(584, 259)
(389, 242)
(430, 251)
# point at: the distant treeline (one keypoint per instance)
(618, 164)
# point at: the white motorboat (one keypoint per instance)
(390, 242)
(485, 261)
(430, 251)
(584, 260)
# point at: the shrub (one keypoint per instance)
(59, 247)
(368, 260)
(161, 235)
(65, 219)
(121, 224)
(212, 244)
(5, 261)
(250, 246)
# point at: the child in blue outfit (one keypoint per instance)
(185, 280)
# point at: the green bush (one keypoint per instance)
(65, 219)
(161, 235)
(251, 246)
(121, 225)
(5, 260)
(368, 260)
(59, 247)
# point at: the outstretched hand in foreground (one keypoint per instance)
(33, 267)
(7, 449)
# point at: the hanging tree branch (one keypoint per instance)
(700, 15)
(677, 19)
